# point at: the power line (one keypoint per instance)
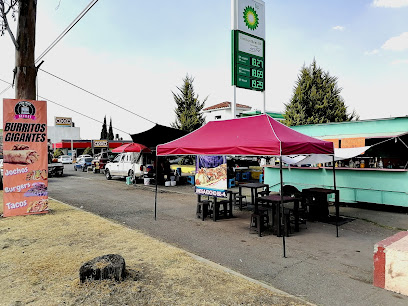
(99, 97)
(89, 117)
(80, 113)
(65, 32)
(67, 29)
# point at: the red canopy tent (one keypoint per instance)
(251, 136)
(132, 147)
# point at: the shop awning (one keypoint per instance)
(251, 136)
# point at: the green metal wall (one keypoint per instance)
(373, 186)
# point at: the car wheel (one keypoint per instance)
(83, 169)
(75, 169)
(107, 174)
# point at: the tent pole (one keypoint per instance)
(336, 199)
(155, 194)
(281, 208)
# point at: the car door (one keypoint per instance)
(114, 167)
(126, 164)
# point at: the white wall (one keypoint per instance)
(225, 114)
(58, 133)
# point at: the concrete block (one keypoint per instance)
(391, 263)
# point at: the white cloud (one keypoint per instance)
(397, 43)
(390, 3)
(400, 61)
(372, 52)
(338, 28)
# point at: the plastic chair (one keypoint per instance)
(231, 183)
(190, 179)
(238, 176)
(245, 176)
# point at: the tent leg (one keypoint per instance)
(155, 194)
(336, 199)
(281, 229)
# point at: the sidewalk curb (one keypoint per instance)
(204, 260)
(254, 281)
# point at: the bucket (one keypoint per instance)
(173, 183)
(128, 180)
(167, 183)
(146, 181)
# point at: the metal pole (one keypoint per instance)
(336, 204)
(155, 195)
(264, 103)
(72, 142)
(281, 210)
(234, 103)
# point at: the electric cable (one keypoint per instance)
(99, 97)
(67, 29)
(89, 117)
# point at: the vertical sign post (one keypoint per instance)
(248, 46)
(25, 157)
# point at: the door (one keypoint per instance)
(114, 167)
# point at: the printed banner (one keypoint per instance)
(211, 175)
(25, 157)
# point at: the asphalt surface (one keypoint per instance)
(319, 267)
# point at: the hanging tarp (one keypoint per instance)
(157, 135)
(250, 136)
(339, 154)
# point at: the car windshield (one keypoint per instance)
(88, 159)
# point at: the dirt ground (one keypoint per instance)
(41, 256)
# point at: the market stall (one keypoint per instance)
(252, 136)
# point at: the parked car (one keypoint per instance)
(65, 159)
(129, 164)
(101, 159)
(83, 164)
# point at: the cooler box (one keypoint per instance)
(129, 180)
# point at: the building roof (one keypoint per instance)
(225, 104)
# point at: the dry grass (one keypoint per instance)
(41, 256)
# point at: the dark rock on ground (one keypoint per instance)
(111, 266)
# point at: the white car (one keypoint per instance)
(65, 159)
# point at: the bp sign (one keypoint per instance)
(248, 44)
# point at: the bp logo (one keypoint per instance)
(24, 110)
(251, 18)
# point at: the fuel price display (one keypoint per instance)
(248, 61)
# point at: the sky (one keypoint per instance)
(136, 53)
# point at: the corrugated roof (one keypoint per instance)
(225, 104)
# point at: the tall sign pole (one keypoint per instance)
(248, 46)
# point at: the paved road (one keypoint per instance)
(319, 267)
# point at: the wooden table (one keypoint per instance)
(324, 205)
(254, 192)
(216, 203)
(277, 200)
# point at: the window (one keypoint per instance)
(217, 117)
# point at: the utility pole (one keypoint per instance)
(25, 72)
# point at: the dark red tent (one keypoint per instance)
(251, 136)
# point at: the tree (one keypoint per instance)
(104, 132)
(110, 134)
(58, 152)
(188, 111)
(88, 151)
(316, 99)
(25, 72)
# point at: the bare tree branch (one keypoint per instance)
(5, 25)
